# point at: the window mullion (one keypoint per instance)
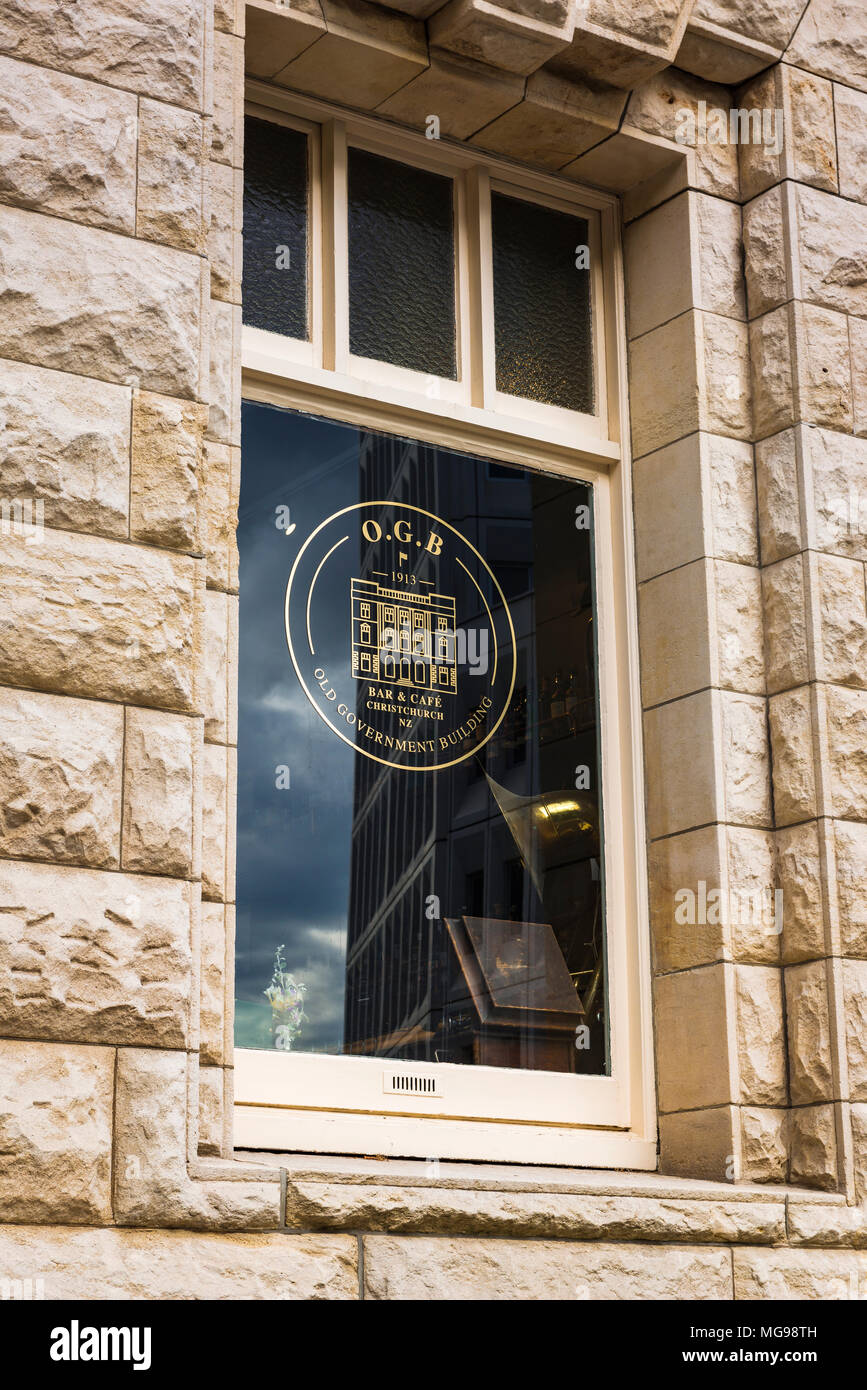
(335, 249)
(481, 290)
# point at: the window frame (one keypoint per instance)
(338, 1104)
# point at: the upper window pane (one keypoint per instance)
(275, 228)
(401, 265)
(542, 329)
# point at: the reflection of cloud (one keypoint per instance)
(281, 701)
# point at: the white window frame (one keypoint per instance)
(310, 1102)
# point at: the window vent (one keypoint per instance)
(397, 1083)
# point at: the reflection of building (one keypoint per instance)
(406, 639)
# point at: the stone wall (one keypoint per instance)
(120, 219)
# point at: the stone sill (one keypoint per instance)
(333, 1193)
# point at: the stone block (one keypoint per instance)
(166, 458)
(171, 154)
(55, 1133)
(224, 241)
(847, 744)
(813, 1147)
(811, 1073)
(68, 147)
(833, 269)
(835, 466)
(789, 1275)
(854, 979)
(466, 96)
(93, 957)
(777, 496)
(753, 910)
(830, 41)
(64, 442)
(677, 867)
(765, 269)
(727, 394)
(850, 853)
(785, 616)
(155, 49)
(664, 407)
(277, 34)
(159, 759)
(555, 121)
(215, 680)
(214, 822)
(764, 1155)
(212, 1038)
(692, 1024)
(794, 772)
(218, 533)
(681, 776)
(841, 654)
(224, 415)
(112, 307)
(658, 105)
(60, 779)
(501, 34)
(700, 1143)
(431, 1267)
(227, 127)
(760, 1035)
(824, 378)
(850, 111)
(772, 372)
(801, 878)
(211, 1111)
(93, 617)
(366, 54)
(746, 776)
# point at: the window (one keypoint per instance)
(438, 919)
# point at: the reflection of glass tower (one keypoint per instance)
(427, 846)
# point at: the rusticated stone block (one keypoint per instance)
(64, 441)
(842, 654)
(772, 367)
(854, 975)
(60, 779)
(813, 1147)
(765, 270)
(68, 146)
(214, 822)
(745, 757)
(799, 1274)
(55, 1133)
(225, 371)
(847, 739)
(799, 867)
(836, 465)
(171, 153)
(777, 494)
(227, 132)
(727, 388)
(794, 771)
(850, 846)
(151, 1183)
(764, 1157)
(93, 957)
(833, 268)
(211, 1111)
(156, 49)
(850, 111)
(218, 532)
(215, 682)
(166, 457)
(858, 1115)
(425, 1267)
(786, 653)
(113, 307)
(129, 1264)
(158, 792)
(811, 1075)
(224, 242)
(212, 1039)
(830, 41)
(760, 1035)
(823, 367)
(656, 106)
(753, 908)
(92, 617)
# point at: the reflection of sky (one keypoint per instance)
(293, 844)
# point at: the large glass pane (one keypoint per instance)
(542, 330)
(275, 228)
(420, 869)
(401, 265)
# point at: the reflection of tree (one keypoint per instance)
(286, 997)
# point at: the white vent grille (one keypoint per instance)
(410, 1083)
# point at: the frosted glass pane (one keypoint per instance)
(542, 330)
(275, 228)
(401, 265)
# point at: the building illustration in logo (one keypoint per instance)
(405, 639)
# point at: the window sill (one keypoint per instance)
(325, 1192)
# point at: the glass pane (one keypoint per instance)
(419, 856)
(275, 228)
(401, 265)
(542, 330)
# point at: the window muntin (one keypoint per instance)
(442, 904)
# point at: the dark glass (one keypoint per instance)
(275, 228)
(542, 328)
(401, 265)
(420, 875)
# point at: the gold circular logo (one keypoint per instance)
(400, 635)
